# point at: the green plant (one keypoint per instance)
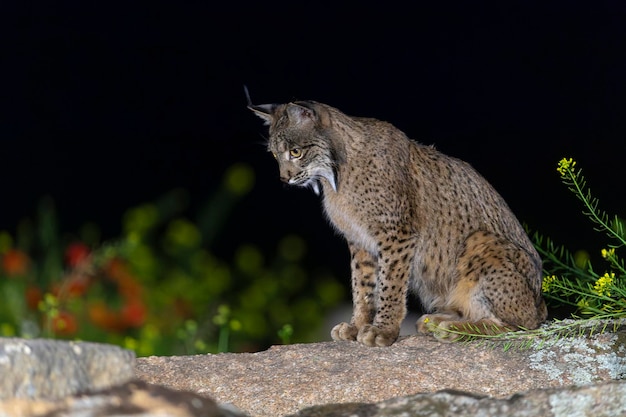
(575, 282)
(285, 333)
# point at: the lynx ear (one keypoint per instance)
(305, 112)
(301, 113)
(264, 111)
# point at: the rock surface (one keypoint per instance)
(136, 399)
(132, 399)
(601, 400)
(51, 369)
(286, 379)
(579, 375)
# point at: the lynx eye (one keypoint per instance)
(274, 155)
(295, 153)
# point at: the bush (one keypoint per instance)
(571, 279)
(158, 288)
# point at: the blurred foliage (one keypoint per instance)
(159, 289)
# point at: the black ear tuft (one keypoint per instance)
(264, 111)
(247, 93)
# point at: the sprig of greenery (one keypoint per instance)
(568, 282)
(547, 334)
(573, 178)
(285, 334)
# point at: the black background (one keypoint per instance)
(107, 105)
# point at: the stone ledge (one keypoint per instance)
(571, 375)
(286, 379)
(54, 369)
(599, 400)
(137, 398)
(131, 399)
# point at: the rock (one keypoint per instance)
(51, 369)
(600, 400)
(137, 398)
(578, 375)
(131, 399)
(285, 379)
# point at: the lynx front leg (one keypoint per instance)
(364, 268)
(395, 260)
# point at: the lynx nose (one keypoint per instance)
(285, 175)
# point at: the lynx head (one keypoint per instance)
(303, 142)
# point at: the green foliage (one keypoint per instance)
(285, 334)
(573, 280)
(548, 334)
(159, 288)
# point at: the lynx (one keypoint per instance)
(414, 220)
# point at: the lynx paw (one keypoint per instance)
(371, 335)
(344, 331)
(436, 324)
(447, 332)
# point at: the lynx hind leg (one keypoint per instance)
(498, 290)
(505, 281)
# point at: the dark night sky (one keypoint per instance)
(108, 105)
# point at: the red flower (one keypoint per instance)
(77, 286)
(118, 272)
(133, 313)
(33, 295)
(64, 324)
(103, 317)
(15, 262)
(76, 253)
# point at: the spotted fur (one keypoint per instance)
(414, 219)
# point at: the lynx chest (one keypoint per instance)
(349, 220)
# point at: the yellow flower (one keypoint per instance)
(546, 285)
(566, 165)
(608, 253)
(603, 284)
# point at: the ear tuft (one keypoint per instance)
(247, 93)
(264, 111)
